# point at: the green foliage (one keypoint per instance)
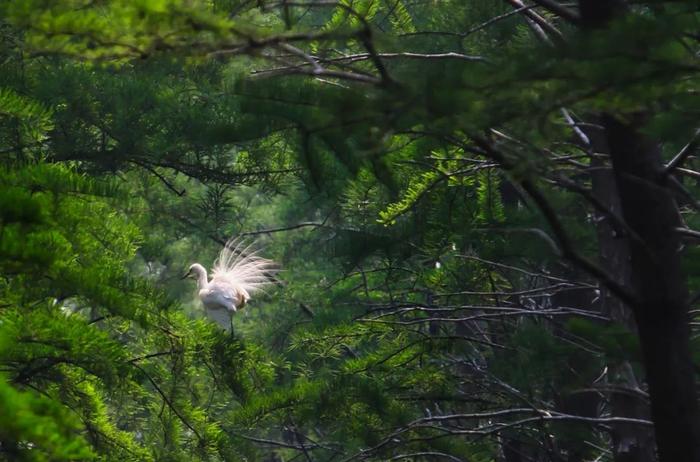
(489, 198)
(616, 341)
(422, 310)
(34, 118)
(36, 428)
(414, 192)
(123, 29)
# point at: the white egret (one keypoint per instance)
(237, 273)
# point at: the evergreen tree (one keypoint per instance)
(484, 212)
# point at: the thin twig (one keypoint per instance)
(683, 154)
(168, 402)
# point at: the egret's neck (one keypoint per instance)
(202, 280)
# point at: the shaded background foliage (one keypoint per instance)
(384, 153)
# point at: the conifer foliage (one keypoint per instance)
(485, 213)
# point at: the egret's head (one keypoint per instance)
(195, 271)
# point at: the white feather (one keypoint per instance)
(239, 266)
(220, 316)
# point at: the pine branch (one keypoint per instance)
(167, 401)
(567, 248)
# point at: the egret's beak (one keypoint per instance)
(185, 276)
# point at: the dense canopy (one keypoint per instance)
(484, 213)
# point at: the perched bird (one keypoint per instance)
(237, 273)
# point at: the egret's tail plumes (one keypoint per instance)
(239, 264)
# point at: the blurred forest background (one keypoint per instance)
(485, 213)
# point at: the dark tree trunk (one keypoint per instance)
(659, 285)
(631, 443)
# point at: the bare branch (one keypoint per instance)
(683, 154)
(305, 224)
(540, 26)
(560, 10)
(565, 244)
(168, 402)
